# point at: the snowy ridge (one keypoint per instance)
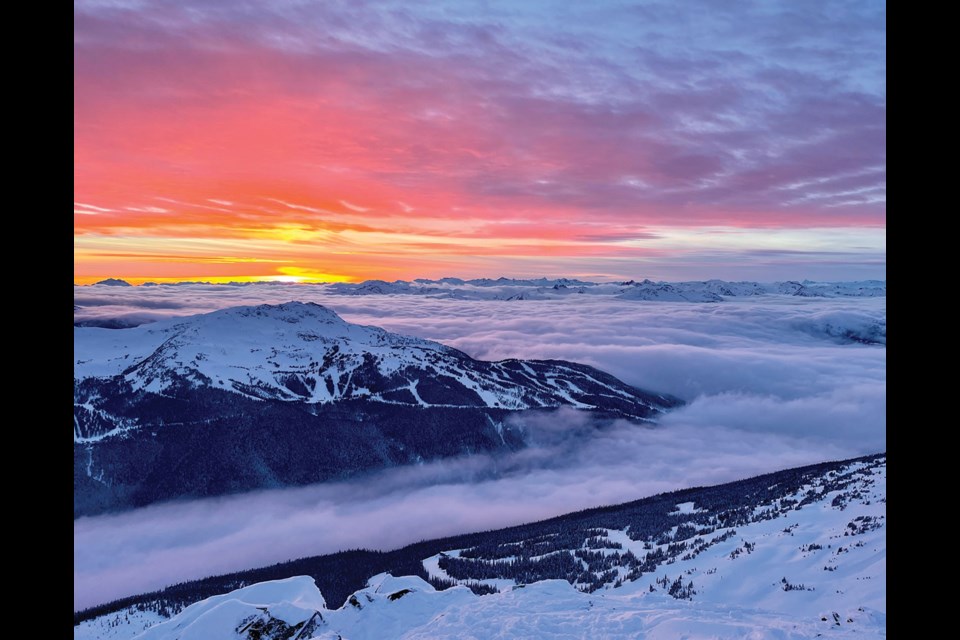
(804, 562)
(823, 514)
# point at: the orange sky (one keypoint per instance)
(236, 143)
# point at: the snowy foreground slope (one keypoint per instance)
(808, 559)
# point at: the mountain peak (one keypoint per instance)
(114, 282)
(293, 311)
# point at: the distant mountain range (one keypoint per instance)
(284, 395)
(113, 282)
(799, 553)
(542, 289)
(546, 288)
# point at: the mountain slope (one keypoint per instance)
(793, 554)
(305, 352)
(270, 396)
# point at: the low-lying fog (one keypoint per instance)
(771, 382)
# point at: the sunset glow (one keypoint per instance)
(324, 142)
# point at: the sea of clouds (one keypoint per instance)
(770, 382)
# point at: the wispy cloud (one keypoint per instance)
(353, 207)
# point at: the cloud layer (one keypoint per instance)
(767, 389)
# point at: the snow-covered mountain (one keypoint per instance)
(682, 292)
(794, 554)
(251, 382)
(305, 352)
